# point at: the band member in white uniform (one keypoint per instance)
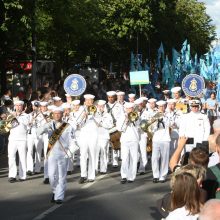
(115, 110)
(61, 146)
(18, 142)
(32, 139)
(68, 98)
(129, 144)
(174, 118)
(57, 101)
(120, 97)
(161, 145)
(77, 119)
(194, 125)
(151, 108)
(105, 122)
(143, 137)
(88, 139)
(176, 94)
(131, 97)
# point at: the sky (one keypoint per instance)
(213, 10)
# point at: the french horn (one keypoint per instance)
(92, 109)
(7, 124)
(133, 116)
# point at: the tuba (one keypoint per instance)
(92, 109)
(7, 124)
(133, 116)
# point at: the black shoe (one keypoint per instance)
(59, 201)
(103, 173)
(91, 181)
(82, 180)
(69, 173)
(155, 180)
(22, 180)
(12, 180)
(123, 181)
(162, 181)
(115, 166)
(36, 173)
(29, 173)
(46, 181)
(130, 181)
(52, 199)
(142, 173)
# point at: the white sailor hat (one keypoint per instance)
(89, 96)
(176, 89)
(161, 103)
(101, 102)
(51, 107)
(111, 93)
(18, 102)
(66, 105)
(129, 105)
(35, 102)
(67, 95)
(194, 102)
(43, 103)
(138, 101)
(56, 98)
(76, 102)
(171, 101)
(120, 93)
(144, 98)
(57, 109)
(152, 100)
(131, 95)
(166, 91)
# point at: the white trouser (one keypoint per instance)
(70, 163)
(173, 146)
(143, 153)
(87, 151)
(129, 156)
(13, 147)
(57, 169)
(39, 148)
(160, 156)
(45, 144)
(102, 149)
(31, 142)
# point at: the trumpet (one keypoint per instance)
(7, 124)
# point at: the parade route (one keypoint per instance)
(106, 198)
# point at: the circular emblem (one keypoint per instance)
(74, 85)
(193, 85)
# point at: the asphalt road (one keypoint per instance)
(106, 198)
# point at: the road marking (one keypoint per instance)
(52, 209)
(87, 185)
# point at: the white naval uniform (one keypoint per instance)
(130, 137)
(115, 110)
(161, 149)
(42, 145)
(143, 144)
(105, 122)
(32, 140)
(87, 141)
(18, 142)
(174, 118)
(194, 125)
(58, 157)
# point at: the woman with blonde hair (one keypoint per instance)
(185, 198)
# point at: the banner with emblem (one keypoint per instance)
(193, 85)
(75, 85)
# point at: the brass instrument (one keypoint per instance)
(92, 109)
(7, 124)
(133, 116)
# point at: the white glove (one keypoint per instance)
(68, 154)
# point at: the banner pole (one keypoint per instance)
(140, 89)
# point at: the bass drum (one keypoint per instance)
(115, 140)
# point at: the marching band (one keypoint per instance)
(94, 134)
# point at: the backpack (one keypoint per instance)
(216, 171)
